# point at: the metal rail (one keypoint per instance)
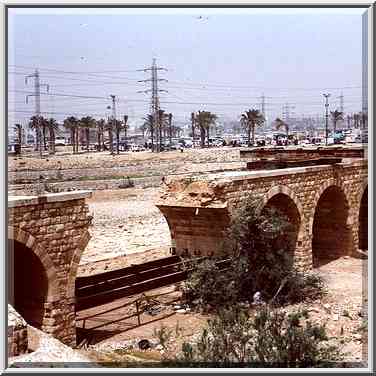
(99, 289)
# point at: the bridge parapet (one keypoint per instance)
(198, 209)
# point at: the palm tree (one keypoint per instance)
(279, 123)
(109, 127)
(170, 127)
(53, 127)
(44, 131)
(125, 127)
(86, 123)
(143, 129)
(250, 120)
(364, 119)
(348, 117)
(356, 118)
(149, 126)
(100, 133)
(36, 125)
(118, 126)
(72, 124)
(336, 116)
(205, 119)
(193, 123)
(162, 125)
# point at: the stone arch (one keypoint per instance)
(286, 201)
(75, 262)
(323, 187)
(33, 282)
(362, 213)
(282, 189)
(30, 242)
(330, 224)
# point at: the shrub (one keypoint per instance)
(300, 287)
(271, 338)
(260, 251)
(212, 287)
(164, 336)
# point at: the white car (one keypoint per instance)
(60, 141)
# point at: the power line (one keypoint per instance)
(200, 84)
(73, 72)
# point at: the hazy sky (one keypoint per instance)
(219, 60)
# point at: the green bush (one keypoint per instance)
(271, 338)
(260, 250)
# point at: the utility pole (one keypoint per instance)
(37, 86)
(341, 103)
(155, 98)
(263, 106)
(326, 117)
(113, 121)
(113, 97)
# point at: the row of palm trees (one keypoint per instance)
(80, 130)
(45, 130)
(159, 128)
(253, 118)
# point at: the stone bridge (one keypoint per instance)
(326, 203)
(46, 237)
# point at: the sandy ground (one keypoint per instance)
(125, 222)
(66, 160)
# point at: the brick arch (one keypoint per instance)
(326, 246)
(30, 242)
(75, 262)
(283, 189)
(359, 195)
(360, 223)
(321, 190)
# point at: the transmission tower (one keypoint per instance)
(263, 111)
(37, 86)
(286, 112)
(155, 98)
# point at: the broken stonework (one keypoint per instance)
(17, 333)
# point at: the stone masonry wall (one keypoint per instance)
(55, 227)
(303, 185)
(17, 333)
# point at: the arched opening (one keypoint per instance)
(284, 205)
(28, 284)
(331, 236)
(363, 222)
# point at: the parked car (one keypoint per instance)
(14, 148)
(137, 148)
(60, 141)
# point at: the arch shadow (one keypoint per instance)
(331, 235)
(284, 201)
